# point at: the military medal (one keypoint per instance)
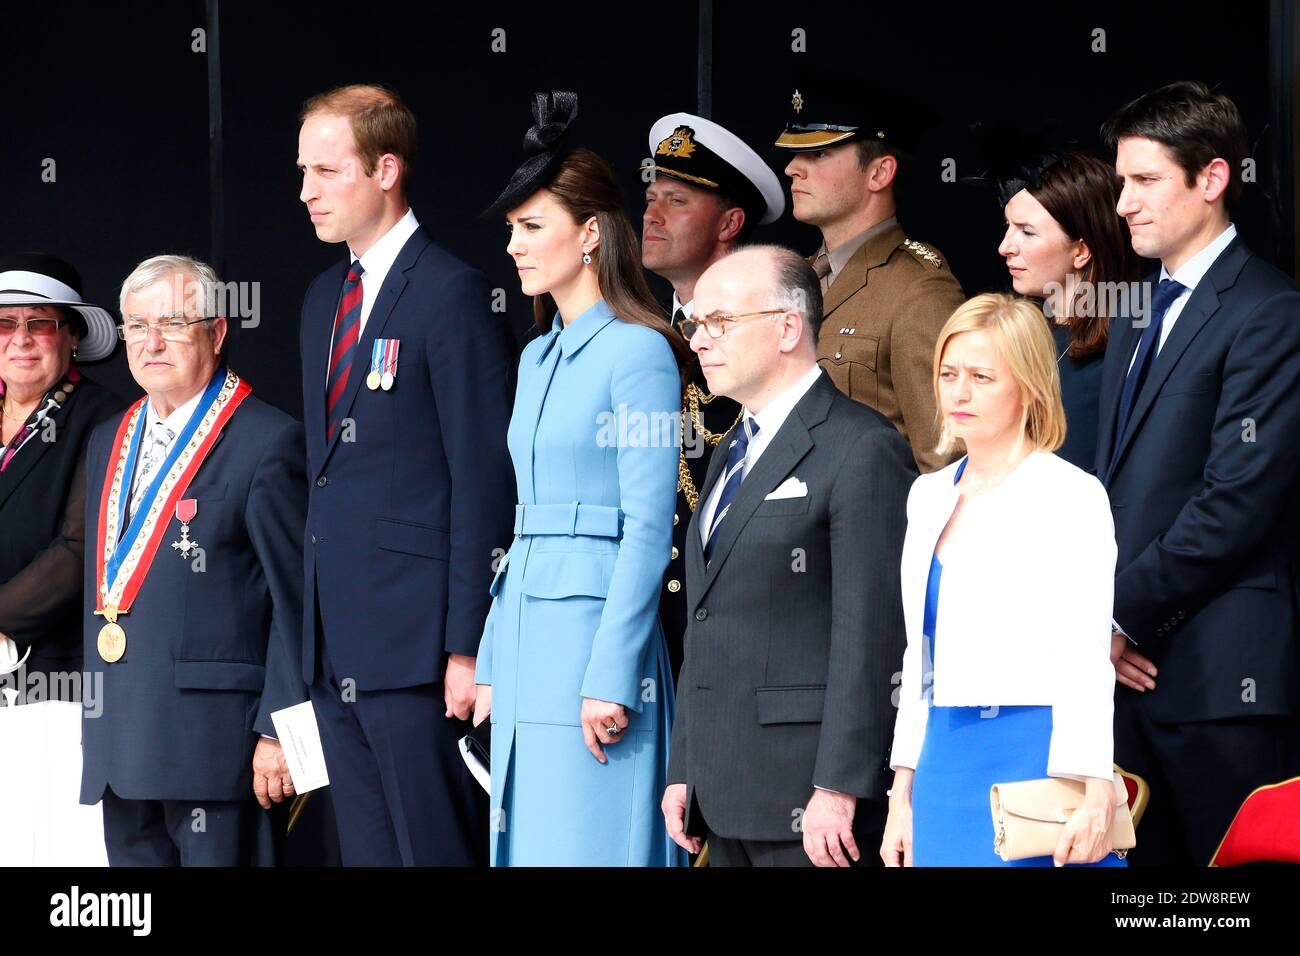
(125, 550)
(376, 365)
(390, 363)
(186, 509)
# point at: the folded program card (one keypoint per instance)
(300, 739)
(792, 487)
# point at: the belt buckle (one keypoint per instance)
(573, 520)
(519, 520)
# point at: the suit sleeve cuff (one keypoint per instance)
(1114, 625)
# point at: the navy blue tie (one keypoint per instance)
(731, 480)
(1166, 293)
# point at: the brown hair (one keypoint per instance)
(1080, 193)
(1196, 126)
(873, 149)
(381, 123)
(584, 185)
(1021, 334)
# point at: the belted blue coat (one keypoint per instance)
(594, 439)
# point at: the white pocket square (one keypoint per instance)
(792, 487)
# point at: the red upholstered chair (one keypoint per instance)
(1265, 829)
(1138, 794)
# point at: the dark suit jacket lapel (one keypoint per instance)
(391, 291)
(26, 458)
(1202, 304)
(788, 447)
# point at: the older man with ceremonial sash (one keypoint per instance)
(194, 589)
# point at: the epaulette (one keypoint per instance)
(922, 252)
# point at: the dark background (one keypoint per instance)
(163, 149)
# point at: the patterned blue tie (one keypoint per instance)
(1166, 293)
(731, 480)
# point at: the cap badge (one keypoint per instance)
(679, 144)
(797, 101)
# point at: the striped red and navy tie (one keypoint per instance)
(347, 329)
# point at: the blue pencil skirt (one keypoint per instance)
(963, 755)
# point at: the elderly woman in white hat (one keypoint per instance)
(47, 411)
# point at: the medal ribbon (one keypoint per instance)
(376, 357)
(108, 567)
(390, 356)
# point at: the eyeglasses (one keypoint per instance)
(171, 328)
(714, 322)
(38, 327)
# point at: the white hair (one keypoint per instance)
(157, 268)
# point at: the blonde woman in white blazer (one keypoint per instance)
(1007, 576)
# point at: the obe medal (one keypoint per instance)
(186, 509)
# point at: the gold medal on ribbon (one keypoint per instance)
(376, 375)
(112, 639)
(124, 551)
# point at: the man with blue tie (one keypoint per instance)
(1200, 423)
(784, 716)
(407, 380)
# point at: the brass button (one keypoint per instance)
(675, 553)
(674, 586)
(675, 519)
(839, 354)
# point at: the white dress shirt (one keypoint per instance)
(1190, 273)
(769, 422)
(377, 262)
(688, 309)
(176, 422)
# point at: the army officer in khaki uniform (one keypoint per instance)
(710, 190)
(886, 296)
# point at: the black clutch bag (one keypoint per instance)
(476, 750)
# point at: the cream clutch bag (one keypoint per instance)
(1028, 816)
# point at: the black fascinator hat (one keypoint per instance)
(545, 144)
(1014, 158)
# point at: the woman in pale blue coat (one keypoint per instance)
(573, 664)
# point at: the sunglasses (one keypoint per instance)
(41, 328)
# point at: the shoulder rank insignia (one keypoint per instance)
(922, 251)
(678, 144)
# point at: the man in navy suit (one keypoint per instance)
(407, 384)
(195, 503)
(1200, 424)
